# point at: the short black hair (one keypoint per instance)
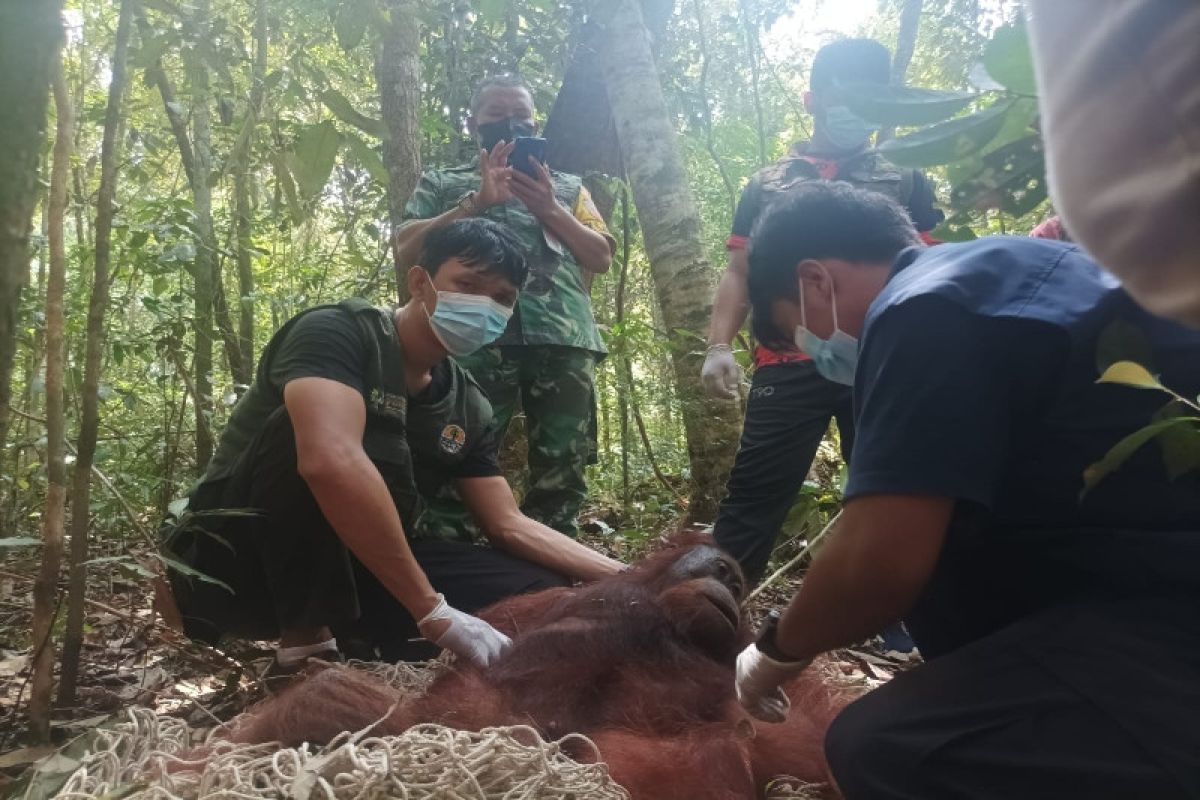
(478, 243)
(850, 61)
(819, 219)
(497, 82)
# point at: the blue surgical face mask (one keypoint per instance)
(836, 357)
(845, 130)
(463, 323)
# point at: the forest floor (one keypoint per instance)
(130, 658)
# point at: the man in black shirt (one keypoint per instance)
(356, 413)
(790, 403)
(1058, 625)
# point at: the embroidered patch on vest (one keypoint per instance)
(389, 405)
(452, 439)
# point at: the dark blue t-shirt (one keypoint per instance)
(977, 381)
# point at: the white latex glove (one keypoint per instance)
(758, 683)
(721, 373)
(467, 636)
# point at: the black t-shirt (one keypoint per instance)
(977, 381)
(328, 343)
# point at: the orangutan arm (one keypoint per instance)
(879, 559)
(490, 500)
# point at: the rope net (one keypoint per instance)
(150, 756)
(145, 756)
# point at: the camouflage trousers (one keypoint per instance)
(555, 387)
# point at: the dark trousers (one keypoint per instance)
(1092, 701)
(787, 415)
(285, 567)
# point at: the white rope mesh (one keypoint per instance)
(143, 757)
(140, 758)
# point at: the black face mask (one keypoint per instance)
(503, 130)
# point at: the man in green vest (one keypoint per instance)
(790, 403)
(300, 527)
(545, 361)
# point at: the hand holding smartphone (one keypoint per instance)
(524, 147)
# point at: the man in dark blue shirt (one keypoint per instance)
(1060, 627)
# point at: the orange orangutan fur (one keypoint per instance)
(641, 662)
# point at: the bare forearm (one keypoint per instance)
(731, 304)
(868, 576)
(591, 250)
(357, 504)
(525, 538)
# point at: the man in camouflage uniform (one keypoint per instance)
(790, 404)
(545, 360)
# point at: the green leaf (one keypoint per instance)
(1130, 373)
(125, 562)
(1018, 124)
(314, 156)
(901, 105)
(1122, 341)
(1011, 178)
(44, 779)
(946, 142)
(344, 110)
(18, 541)
(284, 176)
(368, 158)
(1125, 448)
(160, 284)
(492, 10)
(953, 233)
(190, 572)
(350, 22)
(1008, 60)
(1180, 444)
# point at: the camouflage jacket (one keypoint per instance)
(867, 170)
(554, 307)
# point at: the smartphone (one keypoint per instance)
(525, 147)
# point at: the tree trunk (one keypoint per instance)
(45, 590)
(224, 321)
(398, 78)
(683, 278)
(581, 137)
(204, 267)
(243, 207)
(29, 37)
(622, 355)
(710, 142)
(89, 425)
(750, 25)
(906, 44)
(906, 39)
(244, 222)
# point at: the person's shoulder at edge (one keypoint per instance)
(991, 264)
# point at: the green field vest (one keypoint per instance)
(867, 170)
